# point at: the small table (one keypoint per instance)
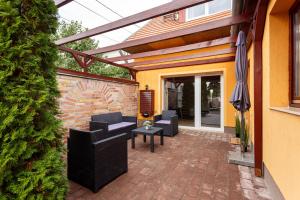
(151, 132)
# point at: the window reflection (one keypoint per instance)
(209, 8)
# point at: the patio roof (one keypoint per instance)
(139, 17)
(228, 21)
(198, 45)
(190, 34)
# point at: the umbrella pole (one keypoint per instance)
(242, 132)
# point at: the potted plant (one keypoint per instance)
(237, 126)
(246, 139)
(236, 140)
(147, 125)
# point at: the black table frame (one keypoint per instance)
(151, 133)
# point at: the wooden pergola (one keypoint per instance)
(248, 15)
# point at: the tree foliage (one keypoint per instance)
(67, 61)
(31, 137)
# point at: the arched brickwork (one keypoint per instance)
(83, 97)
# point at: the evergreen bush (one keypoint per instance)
(31, 137)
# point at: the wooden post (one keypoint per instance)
(258, 25)
(258, 111)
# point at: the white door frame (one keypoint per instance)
(198, 105)
(197, 119)
(164, 96)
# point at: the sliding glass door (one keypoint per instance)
(198, 100)
(209, 100)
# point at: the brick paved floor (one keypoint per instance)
(191, 165)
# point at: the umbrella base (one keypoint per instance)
(238, 158)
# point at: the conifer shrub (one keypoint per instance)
(31, 137)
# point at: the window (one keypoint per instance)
(218, 6)
(196, 11)
(296, 56)
(206, 9)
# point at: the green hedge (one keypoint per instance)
(31, 148)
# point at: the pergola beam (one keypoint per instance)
(258, 26)
(187, 63)
(184, 57)
(200, 45)
(88, 57)
(95, 76)
(229, 21)
(60, 3)
(136, 18)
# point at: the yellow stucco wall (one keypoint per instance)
(154, 78)
(281, 130)
(250, 116)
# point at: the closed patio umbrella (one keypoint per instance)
(240, 97)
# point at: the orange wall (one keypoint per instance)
(281, 127)
(154, 78)
(250, 116)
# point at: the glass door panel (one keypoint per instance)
(211, 101)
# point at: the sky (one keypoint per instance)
(92, 14)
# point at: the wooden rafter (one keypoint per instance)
(229, 21)
(95, 76)
(132, 73)
(89, 57)
(189, 47)
(187, 63)
(184, 57)
(84, 62)
(60, 3)
(136, 18)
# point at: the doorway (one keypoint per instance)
(209, 111)
(180, 96)
(198, 100)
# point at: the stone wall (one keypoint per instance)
(83, 97)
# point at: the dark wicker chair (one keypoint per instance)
(93, 161)
(113, 124)
(168, 120)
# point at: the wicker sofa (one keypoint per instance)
(113, 124)
(93, 161)
(168, 120)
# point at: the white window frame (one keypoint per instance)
(206, 8)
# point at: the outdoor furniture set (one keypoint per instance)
(98, 156)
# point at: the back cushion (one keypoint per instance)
(116, 117)
(110, 118)
(167, 114)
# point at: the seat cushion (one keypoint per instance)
(163, 122)
(119, 125)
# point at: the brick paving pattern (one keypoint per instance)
(192, 165)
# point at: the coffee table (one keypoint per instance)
(150, 132)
